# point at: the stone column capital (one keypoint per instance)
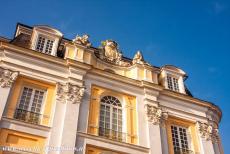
(7, 77)
(70, 92)
(155, 114)
(208, 131)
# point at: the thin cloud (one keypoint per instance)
(212, 69)
(218, 7)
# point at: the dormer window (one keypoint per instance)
(45, 40)
(44, 45)
(173, 83)
(172, 78)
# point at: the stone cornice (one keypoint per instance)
(67, 63)
(188, 99)
(32, 53)
(39, 127)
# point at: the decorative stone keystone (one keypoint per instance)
(155, 114)
(70, 92)
(7, 77)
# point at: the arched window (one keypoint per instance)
(110, 123)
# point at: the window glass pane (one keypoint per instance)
(179, 138)
(173, 83)
(111, 113)
(169, 80)
(40, 43)
(44, 45)
(25, 98)
(37, 101)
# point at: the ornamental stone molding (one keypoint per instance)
(155, 114)
(7, 77)
(208, 132)
(69, 92)
(82, 40)
(110, 53)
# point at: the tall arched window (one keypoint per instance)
(110, 125)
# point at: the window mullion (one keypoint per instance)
(31, 99)
(179, 137)
(45, 44)
(111, 117)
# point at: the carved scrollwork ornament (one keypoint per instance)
(156, 115)
(110, 53)
(215, 135)
(69, 92)
(82, 40)
(7, 77)
(208, 132)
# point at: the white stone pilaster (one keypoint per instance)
(164, 140)
(155, 139)
(205, 137)
(70, 127)
(7, 77)
(57, 127)
(216, 148)
(65, 120)
(157, 131)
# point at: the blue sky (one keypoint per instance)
(193, 35)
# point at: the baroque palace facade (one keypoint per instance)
(65, 96)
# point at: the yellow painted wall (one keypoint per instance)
(21, 140)
(191, 128)
(71, 52)
(130, 103)
(97, 150)
(141, 73)
(15, 96)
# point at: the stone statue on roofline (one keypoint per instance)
(111, 50)
(138, 58)
(82, 40)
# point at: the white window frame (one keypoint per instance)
(39, 32)
(111, 115)
(32, 97)
(45, 44)
(175, 86)
(188, 135)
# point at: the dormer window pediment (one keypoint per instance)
(172, 78)
(45, 39)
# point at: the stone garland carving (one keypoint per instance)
(155, 114)
(82, 40)
(70, 92)
(208, 132)
(7, 77)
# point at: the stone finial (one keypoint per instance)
(83, 40)
(208, 132)
(138, 58)
(155, 114)
(69, 92)
(7, 77)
